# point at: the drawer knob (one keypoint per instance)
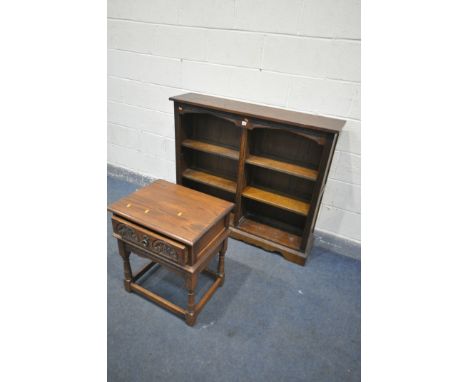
(145, 241)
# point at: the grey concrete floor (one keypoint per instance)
(271, 321)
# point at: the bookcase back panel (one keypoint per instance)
(274, 217)
(211, 129)
(224, 167)
(282, 183)
(209, 190)
(285, 146)
(272, 163)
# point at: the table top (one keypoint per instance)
(178, 212)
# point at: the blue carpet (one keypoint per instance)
(271, 321)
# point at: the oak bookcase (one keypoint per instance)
(272, 163)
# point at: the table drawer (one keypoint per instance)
(158, 245)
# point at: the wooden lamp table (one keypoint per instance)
(175, 227)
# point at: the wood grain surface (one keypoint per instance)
(265, 112)
(276, 200)
(178, 212)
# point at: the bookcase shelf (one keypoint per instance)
(211, 148)
(272, 163)
(210, 180)
(288, 168)
(268, 232)
(276, 200)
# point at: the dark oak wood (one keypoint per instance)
(284, 220)
(145, 270)
(272, 163)
(288, 253)
(175, 227)
(211, 148)
(287, 203)
(316, 199)
(279, 182)
(210, 179)
(270, 233)
(288, 168)
(177, 212)
(158, 300)
(241, 177)
(332, 125)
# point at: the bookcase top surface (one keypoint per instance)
(328, 124)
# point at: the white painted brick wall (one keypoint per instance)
(245, 49)
(331, 18)
(297, 54)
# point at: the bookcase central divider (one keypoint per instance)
(274, 172)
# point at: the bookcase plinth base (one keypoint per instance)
(289, 254)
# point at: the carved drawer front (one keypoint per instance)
(156, 244)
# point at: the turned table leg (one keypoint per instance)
(127, 268)
(221, 262)
(191, 284)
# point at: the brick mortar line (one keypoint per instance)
(319, 232)
(170, 114)
(120, 125)
(237, 30)
(213, 94)
(145, 108)
(167, 137)
(168, 160)
(140, 107)
(344, 151)
(141, 152)
(127, 147)
(179, 59)
(343, 181)
(341, 209)
(262, 55)
(159, 157)
(139, 130)
(233, 98)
